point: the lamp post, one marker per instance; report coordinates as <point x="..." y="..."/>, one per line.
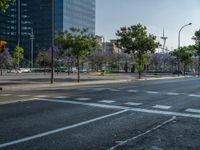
<point x="52" y="44"/>
<point x="32" y="38"/>
<point x="179" y="38"/>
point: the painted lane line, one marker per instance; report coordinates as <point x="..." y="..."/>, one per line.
<point x="193" y="110"/>
<point x="23" y="95"/>
<point x="121" y="143"/>
<point x="100" y="89"/>
<point x="173" y="94"/>
<point x="133" y="104"/>
<point x="194" y="95"/>
<point x="41" y="96"/>
<point x="62" y="97"/>
<point x="150" y="111"/>
<point x="82" y="99"/>
<point x="162" y="107"/>
<point x="107" y="101"/>
<point x="4" y="95"/>
<point x="87" y="104"/>
<point x="132" y="91"/>
<point x="60" y="129"/>
<point x="152" y="92"/>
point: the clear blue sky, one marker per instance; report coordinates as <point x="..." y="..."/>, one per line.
<point x="154" y="14"/>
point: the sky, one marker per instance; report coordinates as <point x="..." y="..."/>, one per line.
<point x="154" y="14"/>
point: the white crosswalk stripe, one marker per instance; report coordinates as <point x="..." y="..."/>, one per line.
<point x="162" y="107"/>
<point x="194" y="95"/>
<point x="41" y="96"/>
<point x="152" y="92"/>
<point x="107" y="101"/>
<point x="82" y="99"/>
<point x="193" y="110"/>
<point x="4" y="95"/>
<point x="62" y="97"/>
<point x="133" y="104"/>
<point x="132" y="91"/>
<point x="173" y="94"/>
<point x="23" y="95"/>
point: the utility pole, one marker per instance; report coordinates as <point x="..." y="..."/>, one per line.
<point x="52" y="44"/>
<point x="32" y="38"/>
<point x="18" y="25"/>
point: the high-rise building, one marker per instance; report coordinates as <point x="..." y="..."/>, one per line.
<point x="24" y="16"/>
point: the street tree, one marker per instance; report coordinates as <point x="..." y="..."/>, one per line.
<point x="5" y="4"/>
<point x="18" y="55"/>
<point x="135" y="40"/>
<point x="196" y="38"/>
<point x="5" y="60"/>
<point x="80" y="42"/>
<point x="184" y="54"/>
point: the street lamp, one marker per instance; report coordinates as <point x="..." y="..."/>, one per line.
<point x="179" y="36"/>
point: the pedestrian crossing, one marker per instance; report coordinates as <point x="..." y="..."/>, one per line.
<point x="130" y="91"/>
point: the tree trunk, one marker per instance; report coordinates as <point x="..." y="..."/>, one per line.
<point x="1" y="71"/>
<point x="184" y="69"/>
<point x="140" y="67"/>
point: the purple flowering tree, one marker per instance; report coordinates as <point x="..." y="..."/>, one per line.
<point x="5" y="60"/>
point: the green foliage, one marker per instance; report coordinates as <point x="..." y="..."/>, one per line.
<point x="135" y="40"/>
<point x="184" y="55"/>
<point x="80" y="43"/>
<point x="196" y="38"/>
<point x="18" y="55"/>
<point x="4" y="4"/>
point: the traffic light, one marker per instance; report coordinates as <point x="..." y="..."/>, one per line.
<point x="2" y="46"/>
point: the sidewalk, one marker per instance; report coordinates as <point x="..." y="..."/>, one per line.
<point x="14" y="82"/>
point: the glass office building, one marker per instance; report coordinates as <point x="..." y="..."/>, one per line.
<point x="75" y="13"/>
<point x="24" y="15"/>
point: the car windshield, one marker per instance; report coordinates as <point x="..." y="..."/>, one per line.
<point x="99" y="74"/>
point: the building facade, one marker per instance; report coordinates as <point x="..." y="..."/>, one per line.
<point x="24" y="16"/>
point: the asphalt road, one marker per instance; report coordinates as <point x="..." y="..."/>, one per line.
<point x="142" y="115"/>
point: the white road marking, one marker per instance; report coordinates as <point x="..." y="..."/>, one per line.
<point x="152" y="92"/>
<point x="162" y="107"/>
<point x="193" y="110"/>
<point x="100" y="89"/>
<point x="133" y="104"/>
<point x="59" y="129"/>
<point x="132" y="91"/>
<point x="82" y="99"/>
<point x="194" y="95"/>
<point x="121" y="143"/>
<point x="4" y="95"/>
<point x="62" y="97"/>
<point x="173" y="94"/>
<point x="168" y="113"/>
<point x="107" y="101"/>
<point x="23" y="95"/>
<point x="41" y="96"/>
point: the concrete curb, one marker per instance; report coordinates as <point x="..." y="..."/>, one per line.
<point x="34" y="86"/>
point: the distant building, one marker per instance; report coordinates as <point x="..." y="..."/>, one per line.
<point x="24" y="15"/>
